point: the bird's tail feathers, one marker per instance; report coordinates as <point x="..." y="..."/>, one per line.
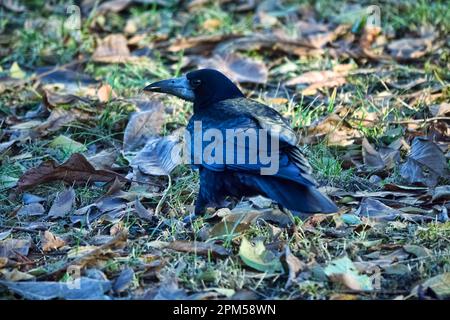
<point x="294" y="196"/>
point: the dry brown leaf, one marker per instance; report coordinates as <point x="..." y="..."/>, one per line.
<point x="199" y="44"/>
<point x="3" y="262"/>
<point x="211" y="24"/>
<point x="317" y="34"/>
<point x="438" y="110"/>
<point x="200" y="248"/>
<point x="294" y="265"/>
<point x="112" y="49"/>
<point x="105" y="93"/>
<point x="408" y="48"/>
<point x="16" y="275"/>
<point x="143" y="125"/>
<point x="348" y="280"/>
<point x="77" y="169"/>
<point x="318" y="80"/>
<point x="333" y="130"/>
<point x="237" y="68"/>
<point x="51" y="242"/>
<point x="95" y="254"/>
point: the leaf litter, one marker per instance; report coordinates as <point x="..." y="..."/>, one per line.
<point x="106" y="191"/>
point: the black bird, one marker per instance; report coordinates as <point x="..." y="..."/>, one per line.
<point x="220" y="105"/>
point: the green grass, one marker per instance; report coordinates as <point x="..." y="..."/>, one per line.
<point x="33" y="47"/>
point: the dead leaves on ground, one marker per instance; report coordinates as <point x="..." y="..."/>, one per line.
<point x="75" y="170"/>
<point x="280" y="60"/>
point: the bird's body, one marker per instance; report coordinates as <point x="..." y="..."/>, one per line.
<point x="219" y="105"/>
<point x="292" y="186"/>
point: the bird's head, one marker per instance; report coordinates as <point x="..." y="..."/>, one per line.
<point x="203" y="87"/>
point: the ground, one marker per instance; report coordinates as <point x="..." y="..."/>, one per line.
<point x="369" y="101"/>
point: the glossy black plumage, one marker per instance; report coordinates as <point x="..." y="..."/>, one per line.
<point x="219" y="104"/>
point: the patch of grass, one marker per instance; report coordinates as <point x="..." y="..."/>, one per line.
<point x="327" y="165"/>
<point x="130" y="78"/>
<point x="435" y="234"/>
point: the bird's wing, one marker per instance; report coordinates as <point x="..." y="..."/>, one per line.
<point x="277" y="126"/>
<point x="245" y="115"/>
<point x="268" y="119"/>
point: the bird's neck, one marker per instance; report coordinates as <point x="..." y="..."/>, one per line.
<point x="206" y="101"/>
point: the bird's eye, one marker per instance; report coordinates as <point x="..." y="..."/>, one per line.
<point x="195" y="82"/>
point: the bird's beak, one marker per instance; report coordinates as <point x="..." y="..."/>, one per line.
<point x="178" y="87"/>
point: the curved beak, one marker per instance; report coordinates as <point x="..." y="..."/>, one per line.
<point x="178" y="87"/>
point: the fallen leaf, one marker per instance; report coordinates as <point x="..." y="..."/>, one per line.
<point x="80" y="289"/>
<point x="258" y="257"/>
<point x="438" y="110"/>
<point x="16" y="72"/>
<point x="333" y="130"/>
<point x="351" y="219"/>
<point x="441" y="193"/>
<point x="67" y="145"/>
<point x="9" y="247"/>
<point x="142" y="126"/>
<point x="211" y="24"/>
<point x="124" y="280"/>
<point x="76" y="169"/>
<point x="438" y="285"/>
<point x="294" y="265"/>
<point x="113" y="6"/>
<point x="104" y="159"/>
<point x="29" y="198"/>
<point x="199" y="44"/>
<point x="344" y="272"/>
<point x="396" y="269"/>
<point x="4" y="235"/>
<point x="16" y="275"/>
<point x="318" y="35"/>
<point x="384" y="159"/>
<point x="112" y="49"/>
<point x="33" y="209"/>
<point x="418" y="251"/>
<point x="377" y="210"/>
<point x="240" y="219"/>
<point x="425" y="164"/>
<point x="142" y="212"/>
<point x="168" y="290"/>
<point x="370" y="156"/>
<point x="318" y="80"/>
<point x="63" y="204"/>
<point x="6" y="145"/>
<point x="105" y="93"/>
<point x="51" y="242"/>
<point x="410" y="48"/>
<point x="200" y="248"/>
<point x="72" y="82"/>
<point x="237" y="68"/>
<point x="3" y="262"/>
